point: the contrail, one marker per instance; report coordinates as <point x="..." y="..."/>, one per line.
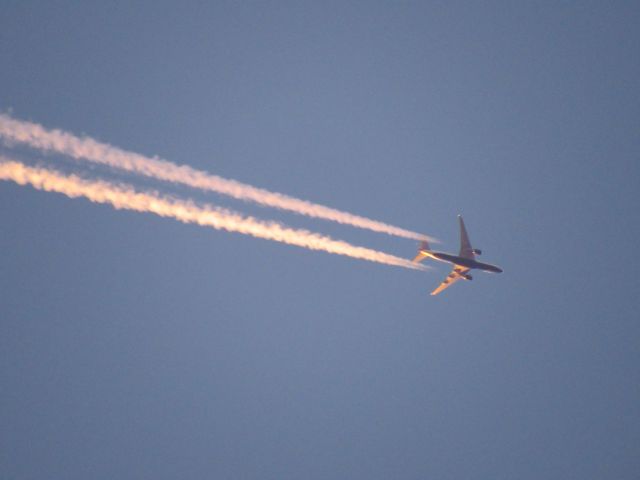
<point x="86" y="148"/>
<point x="125" y="197"/>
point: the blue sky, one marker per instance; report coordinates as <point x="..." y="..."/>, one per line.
<point x="139" y="347"/>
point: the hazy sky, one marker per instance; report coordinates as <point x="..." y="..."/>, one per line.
<point x="137" y="347"/>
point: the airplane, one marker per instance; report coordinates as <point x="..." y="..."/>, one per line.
<point x="462" y="263"/>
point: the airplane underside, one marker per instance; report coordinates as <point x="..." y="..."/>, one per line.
<point x="462" y="263"/>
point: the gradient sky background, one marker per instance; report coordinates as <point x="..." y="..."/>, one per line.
<point x="137" y="347"/>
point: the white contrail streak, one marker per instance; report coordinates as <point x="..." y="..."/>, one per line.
<point x="36" y="136"/>
<point x="125" y="197"/>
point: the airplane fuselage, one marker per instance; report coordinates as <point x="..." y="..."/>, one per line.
<point x="463" y="262"/>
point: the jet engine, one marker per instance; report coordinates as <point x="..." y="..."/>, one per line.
<point x="466" y="277"/>
<point x="477" y="251"/>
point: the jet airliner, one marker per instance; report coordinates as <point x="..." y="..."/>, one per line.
<point x="462" y="263"/>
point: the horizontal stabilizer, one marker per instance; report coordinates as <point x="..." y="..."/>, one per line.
<point x="422" y="247"/>
<point x="421" y="256"/>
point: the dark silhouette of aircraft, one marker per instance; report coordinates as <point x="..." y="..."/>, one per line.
<point x="462" y="263"/>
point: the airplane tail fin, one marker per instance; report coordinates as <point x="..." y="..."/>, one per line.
<point x="423" y="246"/>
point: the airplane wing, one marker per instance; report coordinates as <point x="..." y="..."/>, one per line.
<point x="453" y="277"/>
<point x="466" y="251"/>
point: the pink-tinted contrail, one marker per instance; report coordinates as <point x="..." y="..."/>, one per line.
<point x="86" y="148"/>
<point x="125" y="197"/>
